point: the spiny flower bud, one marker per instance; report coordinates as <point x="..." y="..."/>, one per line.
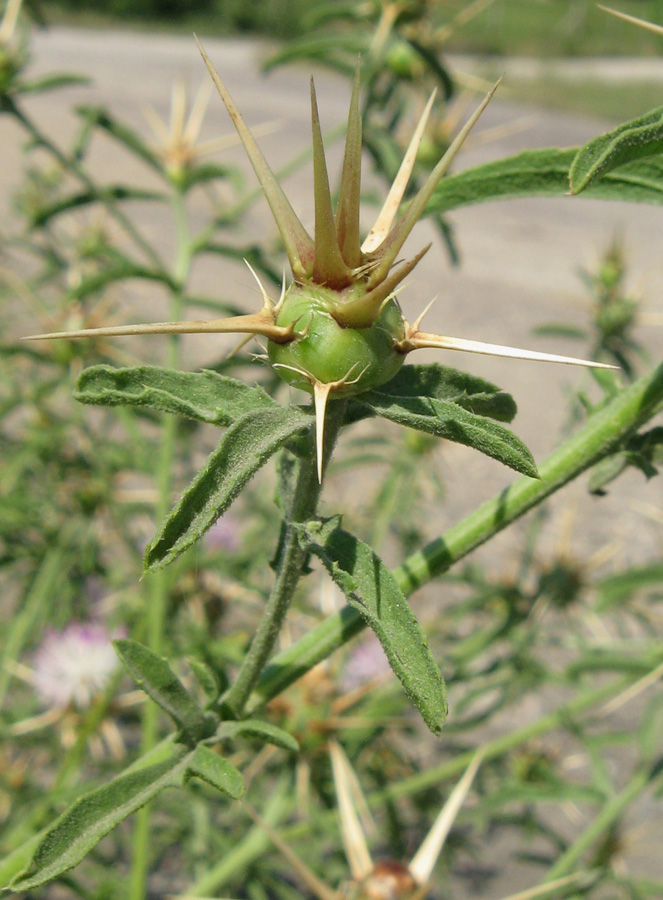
<point x="338" y="330"/>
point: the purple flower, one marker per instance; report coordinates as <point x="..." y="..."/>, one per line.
<point x="73" y="665"/>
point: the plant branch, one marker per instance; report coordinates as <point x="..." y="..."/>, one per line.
<point x="291" y="561"/>
<point x="605" y="431"/>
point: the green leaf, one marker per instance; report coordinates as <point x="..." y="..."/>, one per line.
<point x="84" y="198"/>
<point x="94" y="815"/>
<point x="622" y="587"/>
<point x="206" y="678"/>
<point x="544" y="173"/>
<point x="53" y="82"/>
<point x="451" y="421"/>
<point x="256" y="728"/>
<point x="217" y="771"/>
<point x="153" y="674"/>
<point x="444" y="383"/>
<point x="126" y="136"/>
<point x="122" y="268"/>
<point x="628" y="142"/>
<point x="371" y="589"/>
<point x="204" y="396"/>
<point x="243" y="449"/>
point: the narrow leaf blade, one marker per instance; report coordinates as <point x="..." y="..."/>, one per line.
<point x="267" y="732"/>
<point x="446" y="383"/>
<point x="243" y="449"/>
<point x="451" y="421"/>
<point x="371" y="589"/>
<point x="628" y="142"/>
<point x="217" y="771"/>
<point x="154" y="675"/>
<point x="544" y="173"/>
<point x="204" y="396"/>
<point x="93" y="816"/>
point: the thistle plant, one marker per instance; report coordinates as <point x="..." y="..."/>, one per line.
<point x="337" y="333"/>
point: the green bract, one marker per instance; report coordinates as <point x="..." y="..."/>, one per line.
<point x="356" y="359"/>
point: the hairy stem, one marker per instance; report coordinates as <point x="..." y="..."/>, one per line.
<point x="605" y="431"/>
<point x="303" y="506"/>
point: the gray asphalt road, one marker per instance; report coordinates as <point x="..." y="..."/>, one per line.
<point x="520" y="258"/>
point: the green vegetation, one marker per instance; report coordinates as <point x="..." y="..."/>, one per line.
<point x="513" y="27"/>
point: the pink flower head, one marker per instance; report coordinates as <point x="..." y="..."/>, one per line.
<point x="73" y="665"/>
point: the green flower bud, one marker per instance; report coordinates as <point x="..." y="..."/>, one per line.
<point x="357" y="359"/>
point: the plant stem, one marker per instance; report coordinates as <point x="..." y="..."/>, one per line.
<point x="77" y="170"/>
<point x="303" y="506"/>
<point x="605" y="431"/>
<point x="158" y="582"/>
<point x="605" y="818"/>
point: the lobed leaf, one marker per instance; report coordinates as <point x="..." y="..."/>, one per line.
<point x="628" y="142"/>
<point x="449" y="420"/>
<point x="445" y="383"/>
<point x="217" y="771"/>
<point x="371" y="589"/>
<point x="94" y="815"/>
<point x="544" y="173"/>
<point x="243" y="449"/>
<point x="271" y="734"/>
<point x="154" y="675"/>
<point x="204" y="396"/>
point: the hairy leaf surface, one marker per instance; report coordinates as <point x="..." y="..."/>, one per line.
<point x="445" y="383"/>
<point x="628" y="142"/>
<point x="204" y="396"/>
<point x="545" y="173"/>
<point x="455" y="423"/>
<point x="154" y="675"/>
<point x="242" y="450"/>
<point x="371" y="589"/>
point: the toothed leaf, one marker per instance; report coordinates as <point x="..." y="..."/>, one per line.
<point x="445" y="383"/>
<point x="371" y="589"/>
<point x="217" y="771"/>
<point x="204" y="396"/>
<point x="451" y="421"/>
<point x="154" y="675"/>
<point x="631" y="141"/>
<point x="243" y="449"/>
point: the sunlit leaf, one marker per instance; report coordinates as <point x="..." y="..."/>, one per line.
<point x="628" y="142"/>
<point x="545" y="173"/>
<point x="451" y="421"/>
<point x="204" y="396"/>
<point x="243" y="449"/>
<point x="445" y="383"/>
<point x="371" y="589"/>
